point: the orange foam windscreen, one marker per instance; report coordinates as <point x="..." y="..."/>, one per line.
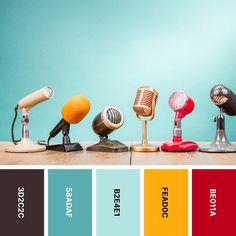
<point x="75" y="109"/>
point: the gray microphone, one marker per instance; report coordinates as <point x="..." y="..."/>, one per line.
<point x="108" y="120"/>
<point x="225" y="99"/>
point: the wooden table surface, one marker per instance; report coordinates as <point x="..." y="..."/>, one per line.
<point x="125" y="158"/>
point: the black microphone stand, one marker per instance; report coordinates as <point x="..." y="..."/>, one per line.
<point x="66" y="145"/>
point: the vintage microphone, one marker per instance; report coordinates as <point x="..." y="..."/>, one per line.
<point x="144" y="107"/>
<point x="25" y="104"/>
<point x="72" y="113"/>
<point x="182" y="105"/>
<point x="225" y="99"/>
<point x="108" y="120"/>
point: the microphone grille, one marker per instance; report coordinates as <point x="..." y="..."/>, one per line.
<point x="114" y="116"/>
<point x="144" y="99"/>
<point x="219" y="94"/>
<point x="178" y="100"/>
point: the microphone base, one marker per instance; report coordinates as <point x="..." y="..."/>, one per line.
<point x="70" y="147"/>
<point x="26" y="146"/>
<point x="215" y="147"/>
<point x="144" y="148"/>
<point x="108" y="146"/>
<point x="182" y="146"/>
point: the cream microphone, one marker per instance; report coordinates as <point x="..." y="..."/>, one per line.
<point x="26" y="103"/>
<point x="144" y="107"/>
<point x="35" y="98"/>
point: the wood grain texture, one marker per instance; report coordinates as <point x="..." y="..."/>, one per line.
<point x="61" y="158"/>
<point x="125" y="158"/>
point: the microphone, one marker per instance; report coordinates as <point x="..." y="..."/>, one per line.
<point x="72" y="113"/>
<point x="225" y="99"/>
<point x="26" y="103"/>
<point x="144" y="107"/>
<point x="108" y="120"/>
<point x="35" y="98"/>
<point x="182" y="105"/>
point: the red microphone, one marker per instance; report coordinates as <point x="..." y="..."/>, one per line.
<point x="182" y="105"/>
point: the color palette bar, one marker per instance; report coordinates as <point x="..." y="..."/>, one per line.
<point x="213" y="197"/>
<point x="22" y="202"/>
<point x="70" y="202"/>
<point x="118" y="202"/>
<point x="165" y="202"/>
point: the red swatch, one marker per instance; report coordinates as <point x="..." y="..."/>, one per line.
<point x="214" y="202"/>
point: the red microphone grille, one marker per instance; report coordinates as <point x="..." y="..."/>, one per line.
<point x="144" y="100"/>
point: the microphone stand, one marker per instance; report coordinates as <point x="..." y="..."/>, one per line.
<point x="25" y="144"/>
<point x="107" y="145"/>
<point x="177" y="144"/>
<point x="221" y="143"/>
<point x="66" y="145"/>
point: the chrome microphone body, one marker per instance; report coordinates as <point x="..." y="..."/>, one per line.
<point x="225" y="99"/>
<point x="108" y="120"/>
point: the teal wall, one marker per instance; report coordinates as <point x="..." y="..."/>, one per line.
<point x="106" y="49"/>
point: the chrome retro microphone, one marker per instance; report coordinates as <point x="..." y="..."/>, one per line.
<point x="108" y="120"/>
<point x="182" y="105"/>
<point x="225" y="99"/>
<point x="144" y="107"/>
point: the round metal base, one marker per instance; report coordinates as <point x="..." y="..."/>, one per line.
<point x="25" y="146"/>
<point x="219" y="148"/>
<point x="144" y="148"/>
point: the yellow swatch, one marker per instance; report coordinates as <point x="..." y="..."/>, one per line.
<point x="165" y="202"/>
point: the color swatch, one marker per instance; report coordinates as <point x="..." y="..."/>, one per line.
<point x="214" y="208"/>
<point x="70" y="202"/>
<point x="22" y="202"/>
<point x="165" y="202"/>
<point x="118" y="203"/>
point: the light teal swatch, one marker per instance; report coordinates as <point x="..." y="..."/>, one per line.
<point x="106" y="49"/>
<point x="128" y="223"/>
<point x="81" y="183"/>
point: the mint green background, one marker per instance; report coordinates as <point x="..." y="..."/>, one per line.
<point x="106" y="49"/>
<point x="129" y="221"/>
<point x="81" y="182"/>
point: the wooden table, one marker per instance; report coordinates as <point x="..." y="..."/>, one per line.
<point x="125" y="158"/>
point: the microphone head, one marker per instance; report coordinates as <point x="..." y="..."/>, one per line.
<point x="178" y="100"/>
<point x="75" y="109"/>
<point x="108" y="120"/>
<point x="220" y="94"/>
<point x="35" y="98"/>
<point x="145" y="101"/>
<point x="224" y="98"/>
<point x="181" y="103"/>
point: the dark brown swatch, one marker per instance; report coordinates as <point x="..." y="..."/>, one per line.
<point x="22" y="202"/>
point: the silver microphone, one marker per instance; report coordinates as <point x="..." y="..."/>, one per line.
<point x="108" y="120"/>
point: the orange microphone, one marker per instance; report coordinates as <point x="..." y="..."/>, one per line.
<point x="72" y="113"/>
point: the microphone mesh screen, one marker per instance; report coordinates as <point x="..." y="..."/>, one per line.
<point x="143" y="101"/>
<point x="114" y="116"/>
<point x="219" y="94"/>
<point x="177" y="100"/>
